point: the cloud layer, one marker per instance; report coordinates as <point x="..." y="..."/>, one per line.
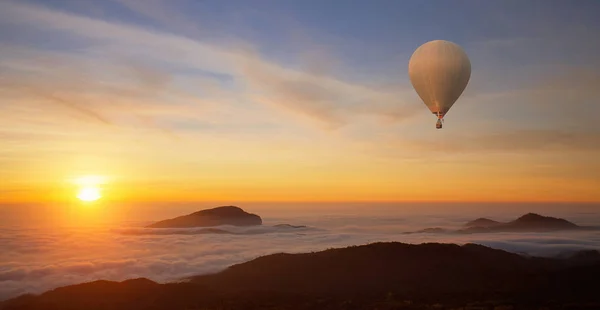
<point x="36" y="259"/>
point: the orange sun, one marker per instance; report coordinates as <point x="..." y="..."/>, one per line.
<point x="89" y="187"/>
<point x="89" y="194"/>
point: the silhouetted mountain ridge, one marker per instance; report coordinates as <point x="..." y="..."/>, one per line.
<point x="225" y="215"/>
<point x="530" y="222"/>
<point x="379" y="265"/>
<point x="377" y="275"/>
<point x="580" y="257"/>
<point x="533" y="219"/>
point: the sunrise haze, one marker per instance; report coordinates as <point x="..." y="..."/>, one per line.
<point x="295" y="101"/>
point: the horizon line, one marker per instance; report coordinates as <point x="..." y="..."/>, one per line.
<point x="238" y="202"/>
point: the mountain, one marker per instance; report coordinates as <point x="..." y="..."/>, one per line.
<point x="580" y="257"/>
<point x="226" y="215"/>
<point x="529" y="222"/>
<point x="536" y="221"/>
<point x="375" y="276"/>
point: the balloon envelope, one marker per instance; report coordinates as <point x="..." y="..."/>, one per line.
<point x="439" y="72"/>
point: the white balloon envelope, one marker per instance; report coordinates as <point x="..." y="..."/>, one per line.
<point x="439" y="72"/>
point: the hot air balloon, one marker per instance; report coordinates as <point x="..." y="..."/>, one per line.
<point x="439" y="72"/>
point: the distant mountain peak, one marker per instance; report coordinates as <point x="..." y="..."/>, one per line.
<point x="223" y="210"/>
<point x="532" y="222"/>
<point x="533" y="217"/>
<point x="536" y="219"/>
<point x="224" y="215"/>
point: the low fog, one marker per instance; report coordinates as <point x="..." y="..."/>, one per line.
<point x="36" y="258"/>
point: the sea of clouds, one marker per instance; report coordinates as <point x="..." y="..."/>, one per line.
<point x="36" y="258"/>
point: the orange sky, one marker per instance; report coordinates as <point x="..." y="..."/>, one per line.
<point x="314" y="179"/>
<point x="170" y="117"/>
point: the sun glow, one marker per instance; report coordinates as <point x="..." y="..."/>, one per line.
<point x="89" y="187"/>
<point x="89" y="194"/>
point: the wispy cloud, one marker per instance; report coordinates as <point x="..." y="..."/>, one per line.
<point x="325" y="99"/>
<point x="169" y="93"/>
<point x="322" y="97"/>
<point x="313" y="93"/>
<point x="166" y="14"/>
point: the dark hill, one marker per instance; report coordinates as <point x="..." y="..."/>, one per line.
<point x="227" y="215"/>
<point x="536" y="221"/>
<point x="580" y="257"/>
<point x="529" y="222"/>
<point x="374" y="276"/>
<point x="379" y="266"/>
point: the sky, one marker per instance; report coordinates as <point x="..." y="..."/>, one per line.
<point x="189" y="100"/>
